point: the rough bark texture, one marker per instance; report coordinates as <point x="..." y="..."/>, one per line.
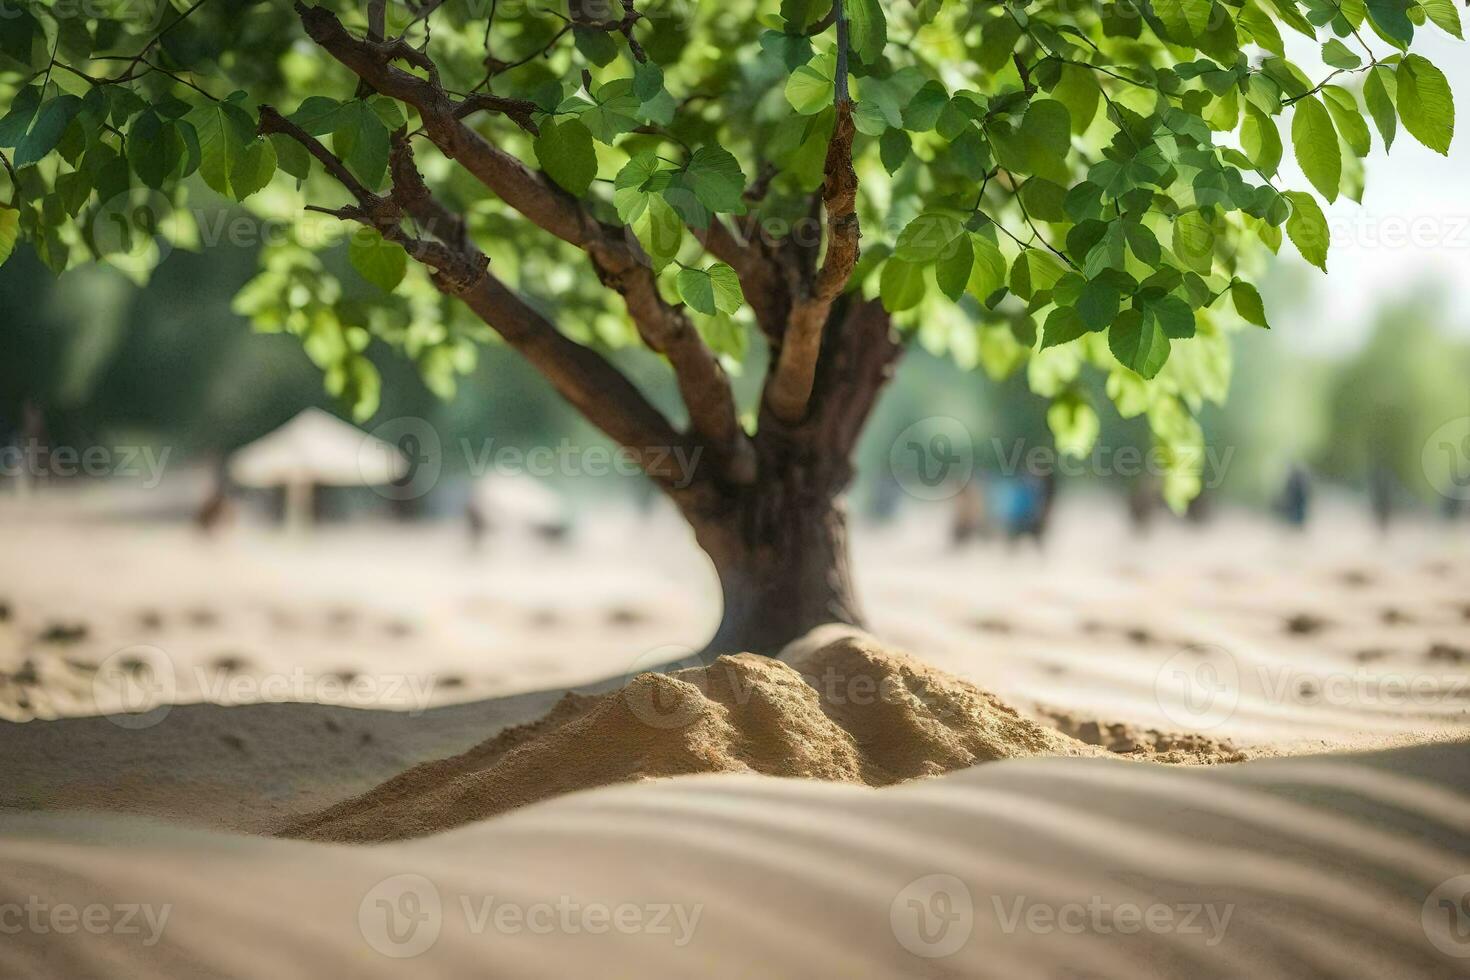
<point x="780" y="545"/>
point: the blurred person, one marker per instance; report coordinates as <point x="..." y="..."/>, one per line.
<point x="970" y="518"/>
<point x="1296" y="497"/>
<point x="1144" y="497"/>
<point x="1380" y="496"/>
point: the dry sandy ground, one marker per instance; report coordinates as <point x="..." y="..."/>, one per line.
<point x="285" y="676"/>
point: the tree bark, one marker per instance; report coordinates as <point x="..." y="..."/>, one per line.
<point x="780" y="545"/>
<point x="781" y="555"/>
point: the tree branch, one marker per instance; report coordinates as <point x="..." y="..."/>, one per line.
<point x="582" y="376"/>
<point x="667" y="330"/>
<point x="790" y="386"/>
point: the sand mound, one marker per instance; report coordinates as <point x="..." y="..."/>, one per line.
<point x="847" y="711"/>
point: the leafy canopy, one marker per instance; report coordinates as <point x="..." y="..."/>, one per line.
<point x="1041" y="185"/>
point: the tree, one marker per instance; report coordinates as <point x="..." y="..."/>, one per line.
<point x="1052" y="185"/>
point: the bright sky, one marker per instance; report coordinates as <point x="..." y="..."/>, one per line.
<point x="1413" y="226"/>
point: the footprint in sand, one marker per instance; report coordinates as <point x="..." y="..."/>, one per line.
<point x="233" y="741"/>
<point x="1305" y="624"/>
<point x="398" y="628"/>
<point x="989" y="625"/>
<point x="1370" y="655"/>
<point x="346" y="675"/>
<point x="1139" y="636"/>
<point x="1355" y="578"/>
<point x="449" y="681"/>
<point x="64" y="633"/>
<point x="4" y="612"/>
<point x="626" y="616"/>
<point x="202" y="618"/>
<point x="545" y="617"/>
<point x="1447" y="653"/>
<point x="230" y="663"/>
<point x="1395" y="617"/>
<point x="150" y="619"/>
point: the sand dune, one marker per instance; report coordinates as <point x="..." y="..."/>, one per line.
<point x="1022" y="868"/>
<point x="845" y="710"/>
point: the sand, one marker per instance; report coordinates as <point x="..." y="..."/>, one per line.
<point x="489" y="720"/>
<point x="1024" y="868"/>
<point x="846" y="710"/>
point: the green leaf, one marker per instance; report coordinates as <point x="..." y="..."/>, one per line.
<point x="1444" y="15"/>
<point x="988" y="274"/>
<point x="648" y="80"/>
<point x="1077" y="89"/>
<point x="253" y="168"/>
<point x="1380" y="102"/>
<point x="1098" y="303"/>
<point x="660" y="231"/>
<point x="894" y="147"/>
<point x="812" y="87"/>
<point x="1248" y="303"/>
<point x="1194" y="242"/>
<point x="901" y="285"/>
<point x="224" y="130"/>
<point x="9" y="232"/>
<point x="1174" y="317"/>
<point x="1426" y="104"/>
<point x="953" y="271"/>
<point x="564" y="150"/>
<point x="715" y="177"/>
<point x="361" y="140"/>
<point x="867" y="29"/>
<point x="291" y="156"/>
<point x="1261" y="140"/>
<point x="1349" y="119"/>
<point x="1339" y="55"/>
<point x="1138" y="341"/>
<point x="596" y="45"/>
<point x="1317" y="151"/>
<point x="1185" y="19"/>
<point x="1391" y="19"/>
<point x="380" y="262"/>
<point x="1307" y="228"/>
<point x="929" y="237"/>
<point x="1063" y="325"/>
<point x="710" y="291"/>
<point x="1074" y="425"/>
<point x="45" y="129"/>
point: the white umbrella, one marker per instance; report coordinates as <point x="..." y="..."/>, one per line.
<point x="313" y="449"/>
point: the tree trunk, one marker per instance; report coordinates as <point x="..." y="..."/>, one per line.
<point x="781" y="557"/>
<point x="779" y="545"/>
